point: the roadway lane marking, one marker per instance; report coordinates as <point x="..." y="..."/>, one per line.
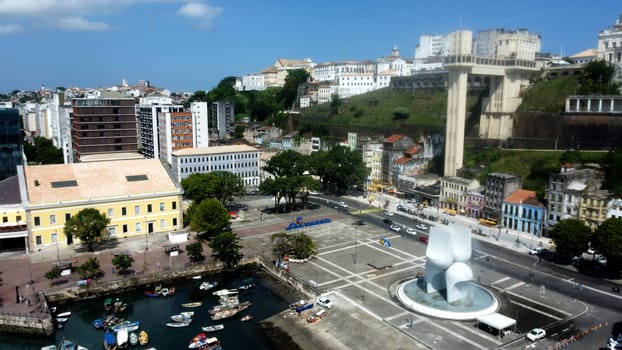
<point x="556" y="318"/>
<point x="583" y="286"/>
<point x="500" y="280"/>
<point x="514" y="286"/>
<point x="366" y="310"/>
<point x="534" y="301"/>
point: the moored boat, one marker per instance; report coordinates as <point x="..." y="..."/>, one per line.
<point x="143" y="338"/>
<point x="198" y="342"/>
<point x="192" y="304"/>
<point x="66" y="344"/>
<point x="246" y="317"/>
<point x="213" y="328"/>
<point x="164" y="292"/>
<point x="98" y="323"/>
<point x="61" y="319"/>
<point x="129" y="326"/>
<point x="122" y="339"/>
<point x="247" y="286"/>
<point x="181" y="318"/>
<point x="208" y="285"/>
<point x="110" y="341"/>
<point x="178" y="324"/>
<point x="64" y="314"/>
<point x="133" y="339"/>
<point x="151" y="293"/>
<point x="229" y="312"/>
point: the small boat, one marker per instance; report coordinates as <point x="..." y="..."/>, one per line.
<point x="48" y="347"/>
<point x="110" y="341"/>
<point x="208" y="285"/>
<point x="143" y="338"/>
<point x="133" y="339"/>
<point x="192" y="304"/>
<point x="98" y="323"/>
<point x="246" y="317"/>
<point x="198" y="277"/>
<point x="122" y="337"/>
<point x="213" y="328"/>
<point x="66" y="344"/>
<point x="126" y="325"/>
<point x="181" y="318"/>
<point x="151" y="293"/>
<point x="62" y="319"/>
<point x="225" y="292"/>
<point x="171" y="291"/>
<point x="64" y="314"/>
<point x="199" y="341"/>
<point x="187" y="314"/>
<point x="178" y="324"/>
<point x="53" y="310"/>
<point x="247" y="286"/>
<point x="164" y="292"/>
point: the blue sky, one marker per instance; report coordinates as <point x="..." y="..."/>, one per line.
<point x="191" y="45"/>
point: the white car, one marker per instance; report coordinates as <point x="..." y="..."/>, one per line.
<point x="601" y="259"/>
<point x="535" y="251"/>
<point x="411" y="231"/>
<point x="396" y="228"/>
<point x="421" y="227"/>
<point x="388" y="213"/>
<point x="591" y="251"/>
<point x="342" y="204"/>
<point x="536" y="334"/>
<point x="325" y="302"/>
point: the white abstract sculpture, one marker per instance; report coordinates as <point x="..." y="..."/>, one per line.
<point x="446" y="256"/>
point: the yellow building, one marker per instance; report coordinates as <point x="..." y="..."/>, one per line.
<point x="138" y="196"/>
<point x="593" y="207"/>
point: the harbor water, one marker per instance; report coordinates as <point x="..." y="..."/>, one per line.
<point x="154" y="312"/>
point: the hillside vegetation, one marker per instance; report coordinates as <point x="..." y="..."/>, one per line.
<point x="549" y="95"/>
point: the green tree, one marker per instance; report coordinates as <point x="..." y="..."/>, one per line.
<point x="339" y="168"/>
<point x="195" y="251"/>
<point x="291" y="172"/>
<point x="335" y="105"/>
<point x="303" y="245"/>
<point x="400" y="113"/>
<point x="597" y="79"/>
<point x="209" y="217"/>
<point x="88" y="225"/>
<point x="281" y="245"/>
<point x="222" y="185"/>
<point x="571" y="237"/>
<point x="289" y="92"/>
<point x="53" y="273"/>
<point x="43" y="151"/>
<point x="90" y="268"/>
<point x="238" y="132"/>
<point x="226" y="248"/>
<point x="608" y="241"/>
<point x="122" y="262"/>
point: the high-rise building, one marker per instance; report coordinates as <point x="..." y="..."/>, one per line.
<point x="10" y="142"/>
<point x="222" y="120"/>
<point x="148" y="115"/>
<point x="103" y="125"/>
<point x="175" y="132"/>
<point x="200" y="128"/>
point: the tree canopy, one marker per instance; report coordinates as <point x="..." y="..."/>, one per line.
<point x="195" y="251"/>
<point x="597" y="78"/>
<point x="571" y="237"/>
<point x="209" y="217"/>
<point x="88" y="225"/>
<point x="226" y="248"/>
<point x="122" y="262"/>
<point x="608" y="242"/>
<point x="339" y="168"/>
<point x="222" y="185"/>
<point x="90" y="269"/>
<point x="43" y="151"/>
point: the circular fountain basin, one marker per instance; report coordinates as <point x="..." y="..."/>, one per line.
<point x="413" y="295"/>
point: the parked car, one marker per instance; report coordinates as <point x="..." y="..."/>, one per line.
<point x="325" y="302"/>
<point x="411" y="231"/>
<point x="535" y="334"/>
<point x="424" y="239"/>
<point x="535" y="251"/>
<point x="387" y="221"/>
<point x="388" y="213"/>
<point x="342" y="204"/>
<point x="396" y="228"/>
<point x="601" y="259"/>
<point x="421" y="227"/>
<point x="591" y="251"/>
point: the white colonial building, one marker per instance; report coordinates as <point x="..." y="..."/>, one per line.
<point x="241" y="160"/>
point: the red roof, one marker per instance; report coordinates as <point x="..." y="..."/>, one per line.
<point x="414" y="150"/>
<point x="519" y="196"/>
<point x="402" y="160"/>
<point x="393" y="138"/>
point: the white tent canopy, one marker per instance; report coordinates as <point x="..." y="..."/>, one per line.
<point x="497" y="321"/>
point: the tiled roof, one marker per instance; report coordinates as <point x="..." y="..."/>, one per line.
<point x="96" y="180"/>
<point x="533" y="201"/>
<point x="393" y="138"/>
<point x="413" y="150"/>
<point x="585" y="53"/>
<point x="519" y="196"/>
<point x="196" y="151"/>
<point x="402" y="160"/>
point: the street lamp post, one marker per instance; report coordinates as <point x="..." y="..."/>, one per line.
<point x="57" y="250"/>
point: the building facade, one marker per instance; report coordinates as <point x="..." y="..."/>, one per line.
<point x="593" y="207"/>
<point x="140" y="197"/>
<point x="10" y="142"/>
<point x="522" y="212"/>
<point x="564" y="190"/>
<point x="241" y="160"/>
<point x="453" y="195"/>
<point x="222" y="120"/>
<point x="103" y="125"/>
<point x="498" y="187"/>
<point x="150" y="127"/>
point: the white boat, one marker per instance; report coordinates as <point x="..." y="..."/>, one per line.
<point x="126" y="325"/>
<point x="208" y="285"/>
<point x="213" y="328"/>
<point x="62" y="319"/>
<point x="225" y="292"/>
<point x="178" y="324"/>
<point x="133" y="338"/>
<point x="122" y="337"/>
<point x="164" y="292"/>
<point x="197" y="277"/>
<point x="181" y="318"/>
<point x="64" y="314"/>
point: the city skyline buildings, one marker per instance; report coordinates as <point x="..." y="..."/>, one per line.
<point x="249" y="36"/>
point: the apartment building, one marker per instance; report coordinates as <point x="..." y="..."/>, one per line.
<point x="103" y="125"/>
<point x="498" y="187"/>
<point x="521" y="211"/>
<point x="453" y="195"/>
<point x="241" y="160"/>
<point x="564" y="191"/>
<point x="10" y="142"/>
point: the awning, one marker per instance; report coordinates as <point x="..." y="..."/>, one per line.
<point x="497" y="321"/>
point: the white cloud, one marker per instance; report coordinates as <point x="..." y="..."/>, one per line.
<point x="9" y="29"/>
<point x="81" y="24"/>
<point x="201" y="11"/>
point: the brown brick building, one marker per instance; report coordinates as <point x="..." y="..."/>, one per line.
<point x="103" y="125"/>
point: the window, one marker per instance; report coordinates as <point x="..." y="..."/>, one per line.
<point x="125" y="228"/>
<point x="123" y="211"/>
<point x="67" y="217"/>
<point x="162" y="223"/>
<point x="38" y="240"/>
<point x="149" y="208"/>
<point x="5" y="219"/>
<point x="137" y="209"/>
<point x="112" y="230"/>
<point x="37" y="221"/>
<point x="138" y="227"/>
<point x="174" y="205"/>
<point x="110" y="212"/>
<point x="174" y="221"/>
<point x="162" y="206"/>
<point x="52" y="219"/>
<point x="55" y="237"/>
<point x="18" y="218"/>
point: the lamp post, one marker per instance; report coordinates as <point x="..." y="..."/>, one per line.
<point x="57" y="250"/>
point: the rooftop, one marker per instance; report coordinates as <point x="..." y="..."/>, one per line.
<point x="393" y="138"/>
<point x="94" y="180"/>
<point x="199" y="151"/>
<point x="518" y="196"/>
<point x="9" y="191"/>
